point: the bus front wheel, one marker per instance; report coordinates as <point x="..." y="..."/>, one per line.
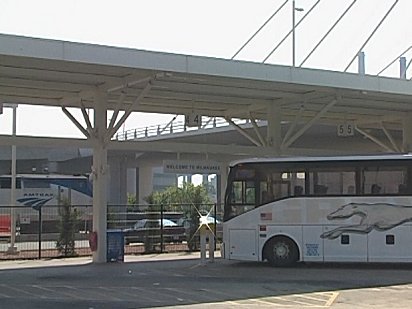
<point x="281" y="251"/>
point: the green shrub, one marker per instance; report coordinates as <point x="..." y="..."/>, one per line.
<point x="67" y="227"/>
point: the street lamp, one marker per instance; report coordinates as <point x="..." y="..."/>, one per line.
<point x="12" y="249"/>
<point x="294" y="9"/>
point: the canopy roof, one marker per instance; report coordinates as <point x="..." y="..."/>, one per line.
<point x="58" y="73"/>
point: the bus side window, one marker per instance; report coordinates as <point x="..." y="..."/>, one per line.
<point x="375" y="189"/>
<point x="402" y="189"/>
<point x="237" y="192"/>
<point x="5" y="183"/>
<point x="243" y="193"/>
<point x="298" y="190"/>
<point x="250" y="193"/>
<point x="267" y="197"/>
<point x="320" y="190"/>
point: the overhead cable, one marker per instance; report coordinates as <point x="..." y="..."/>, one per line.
<point x="261" y="27"/>
<point x="287" y="35"/>
<point x="373" y="32"/>
<point x="327" y="33"/>
<point x="394" y="60"/>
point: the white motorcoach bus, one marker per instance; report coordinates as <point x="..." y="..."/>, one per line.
<point x="319" y="209"/>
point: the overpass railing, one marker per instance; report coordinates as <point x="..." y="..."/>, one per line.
<point x="175" y="126"/>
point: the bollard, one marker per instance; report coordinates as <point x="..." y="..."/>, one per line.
<point x="203" y="235"/>
<point x="206" y="235"/>
<point x="211" y="247"/>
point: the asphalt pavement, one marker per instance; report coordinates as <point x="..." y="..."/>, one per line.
<point x="180" y="280"/>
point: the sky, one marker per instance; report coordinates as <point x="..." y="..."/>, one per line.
<point x="213" y="28"/>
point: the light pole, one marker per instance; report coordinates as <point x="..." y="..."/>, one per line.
<point x="294" y="9"/>
<point x="13" y="249"/>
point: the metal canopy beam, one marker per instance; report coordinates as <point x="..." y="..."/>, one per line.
<point x="300" y="132"/>
<point x="256" y="129"/>
<point x="243" y="132"/>
<point x="375" y="140"/>
<point x="165" y="147"/>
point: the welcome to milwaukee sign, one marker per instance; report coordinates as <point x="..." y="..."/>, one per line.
<point x="191" y="167"/>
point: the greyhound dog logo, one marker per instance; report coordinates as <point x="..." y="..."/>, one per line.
<point x="377" y="216"/>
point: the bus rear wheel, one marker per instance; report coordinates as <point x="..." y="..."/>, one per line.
<point x="281" y="251"/>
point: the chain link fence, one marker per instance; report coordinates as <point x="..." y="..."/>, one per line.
<point x="52" y="231"/>
<point x="45" y="231"/>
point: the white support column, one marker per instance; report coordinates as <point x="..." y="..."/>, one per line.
<point x="145" y="182"/>
<point x="117" y="178"/>
<point x="99" y="171"/>
<point x="274" y="118"/>
<point x="100" y="136"/>
<point x="407" y="133"/>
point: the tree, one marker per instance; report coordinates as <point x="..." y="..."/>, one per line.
<point x="68" y="224"/>
<point x="187" y="194"/>
<point x="189" y="199"/>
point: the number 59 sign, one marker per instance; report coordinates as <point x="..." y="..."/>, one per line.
<point x="346" y="129"/>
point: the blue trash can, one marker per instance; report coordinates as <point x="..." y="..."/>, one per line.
<point x="115" y="246"/>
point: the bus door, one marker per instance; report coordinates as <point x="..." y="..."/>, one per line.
<point x="243" y="244"/>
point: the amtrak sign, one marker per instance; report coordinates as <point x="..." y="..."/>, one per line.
<point x="191" y="167"/>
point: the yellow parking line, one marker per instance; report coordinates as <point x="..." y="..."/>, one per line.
<point x="262" y="301"/>
<point x="292" y="300"/>
<point x="332" y="299"/>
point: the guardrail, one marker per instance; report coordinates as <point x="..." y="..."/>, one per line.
<point x="173" y="127"/>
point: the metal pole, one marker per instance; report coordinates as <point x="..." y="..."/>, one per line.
<point x="215" y="227"/>
<point x="402" y="63"/>
<point x="12" y="248"/>
<point x="161" y="228"/>
<point x="361" y="63"/>
<point x="287" y="35"/>
<point x="40" y="231"/>
<point x="293" y="35"/>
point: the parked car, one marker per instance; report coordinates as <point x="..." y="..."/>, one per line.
<point x="153" y="230"/>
